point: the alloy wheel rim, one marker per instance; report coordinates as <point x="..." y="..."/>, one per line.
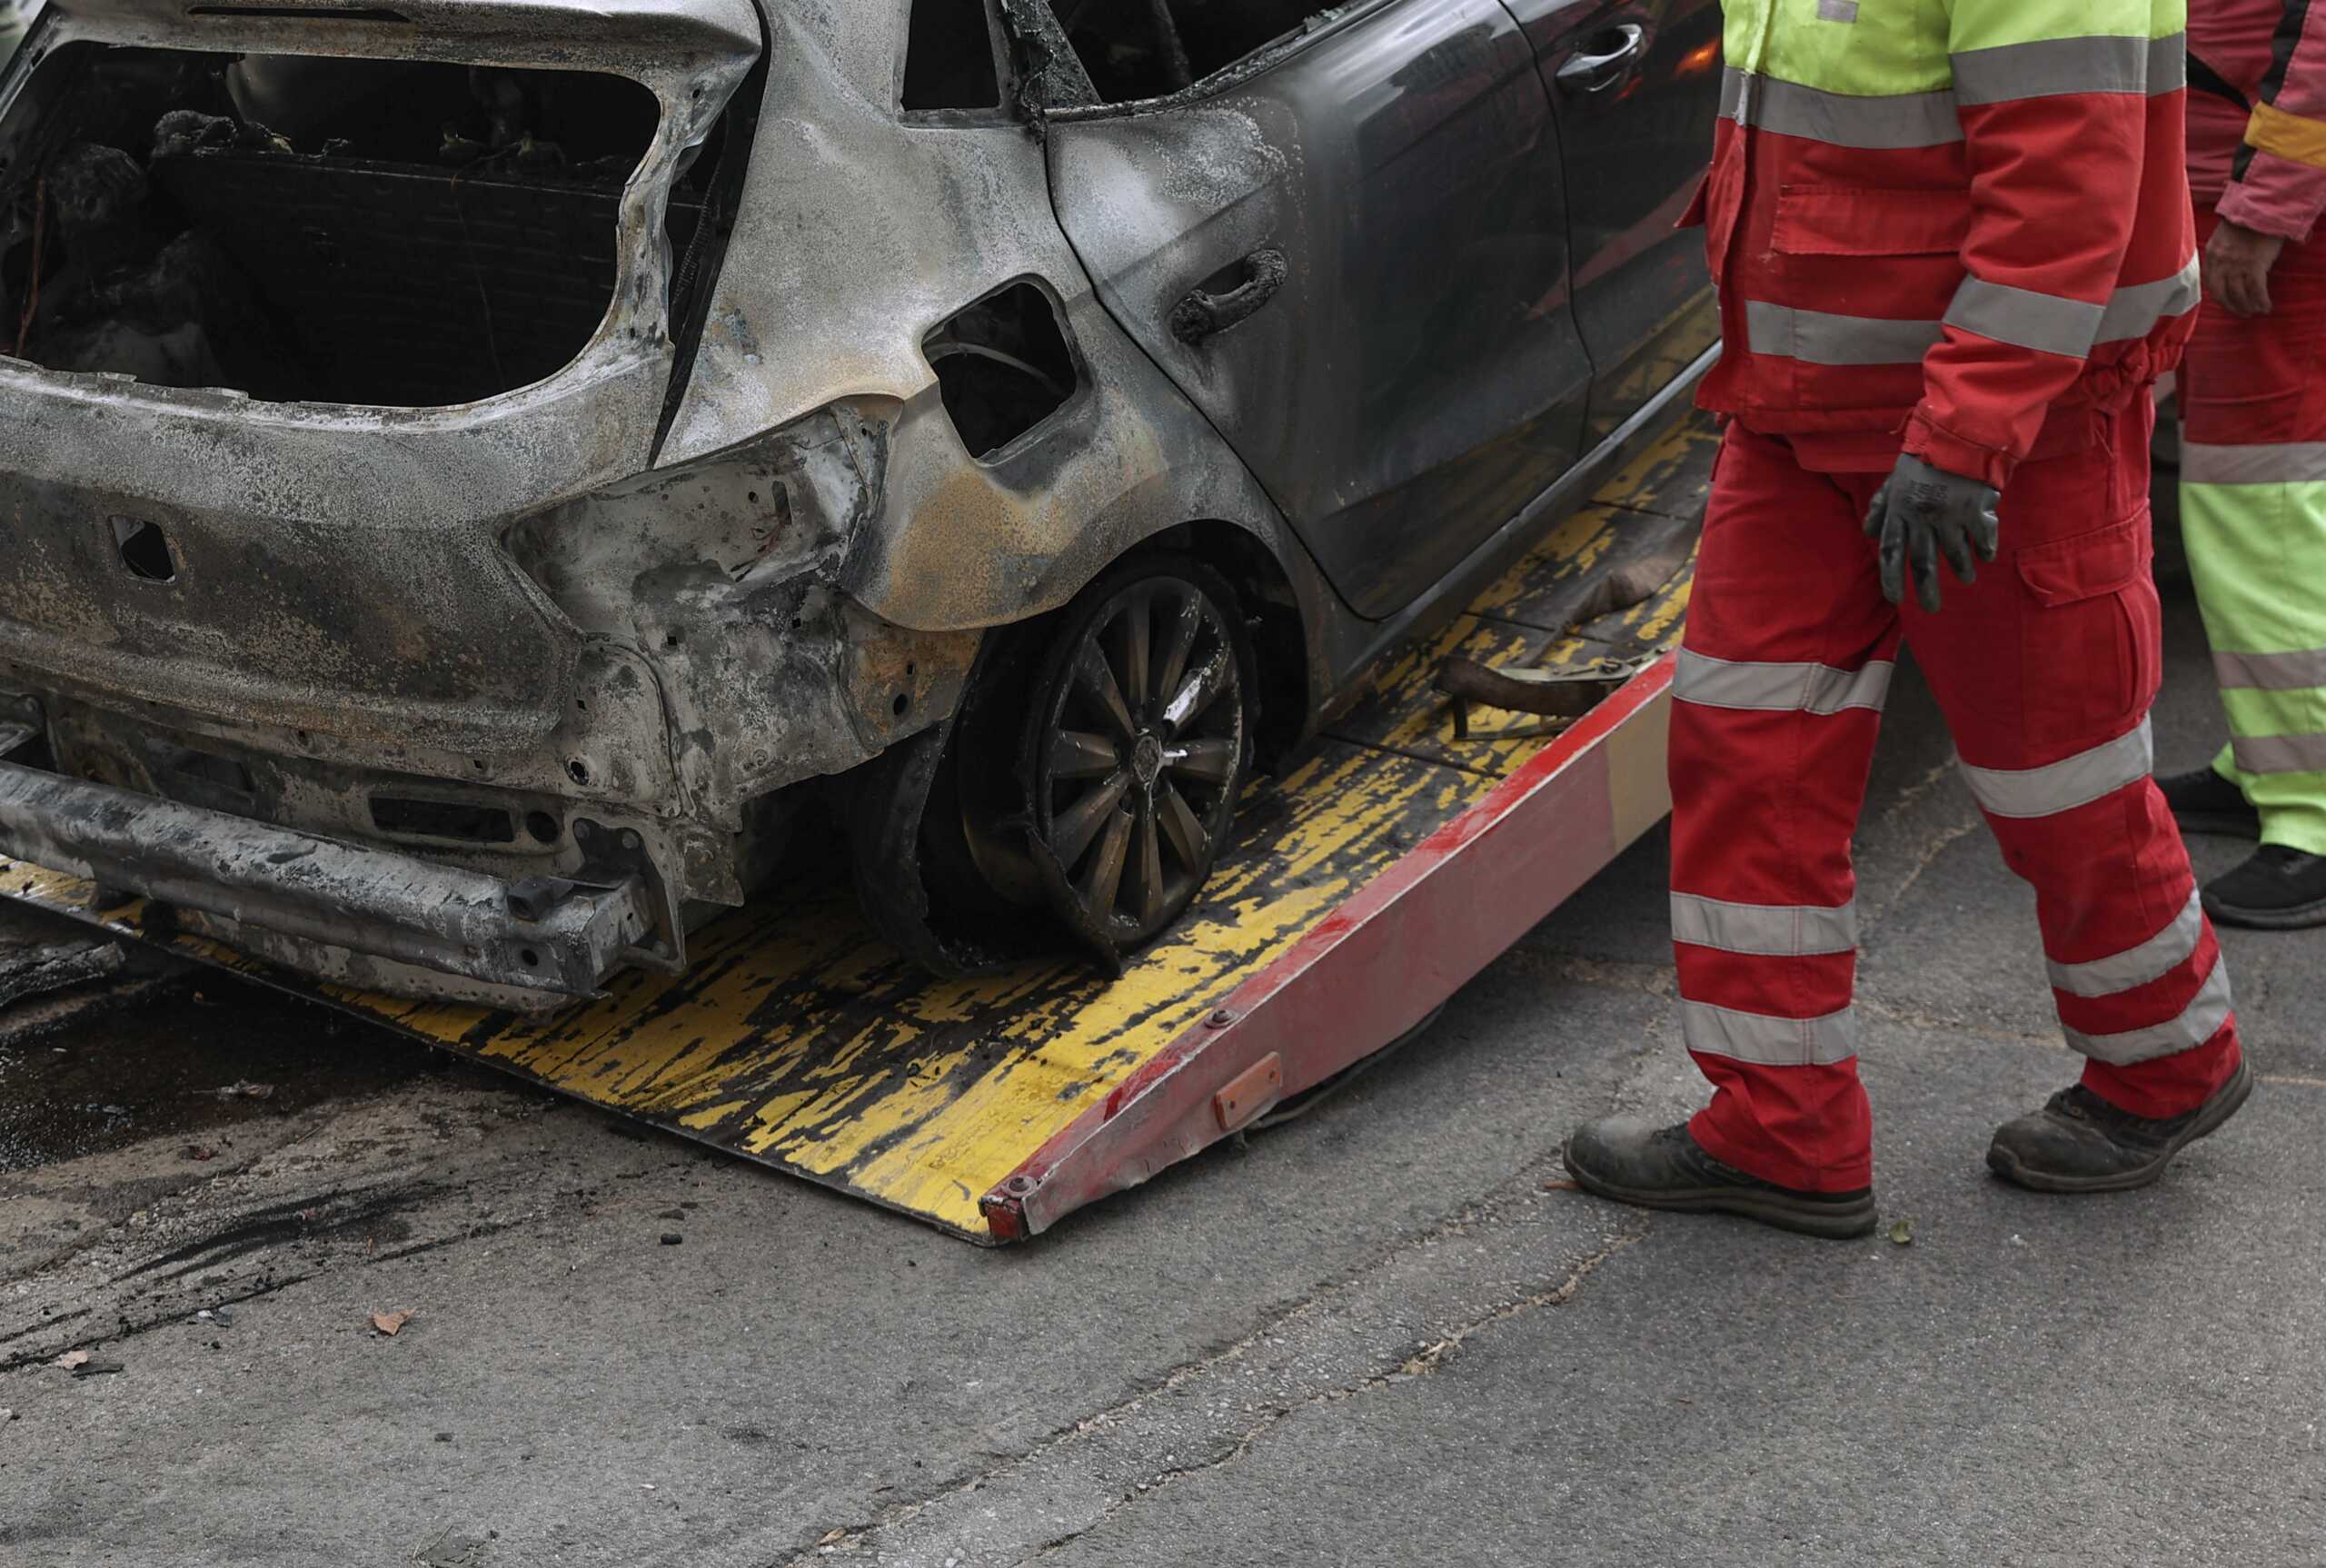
<point x="1138" y="757"/>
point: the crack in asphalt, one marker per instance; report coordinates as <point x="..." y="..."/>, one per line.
<point x="1462" y="1221"/>
<point x="1422" y="1364"/>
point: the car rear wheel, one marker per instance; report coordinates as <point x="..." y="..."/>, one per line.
<point x="1136" y="745"/>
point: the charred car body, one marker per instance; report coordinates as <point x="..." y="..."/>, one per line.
<point x="475" y="468"/>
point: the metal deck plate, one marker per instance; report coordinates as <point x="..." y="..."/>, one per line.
<point x="798" y="1040"/>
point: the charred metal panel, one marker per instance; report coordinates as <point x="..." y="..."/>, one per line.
<point x="293" y="621"/>
<point x="341" y="575"/>
<point x="658" y="42"/>
<point x="206" y="764"/>
<point x="559" y="936"/>
<point x="724" y="573"/>
<point x="857" y="235"/>
<point x="1402" y="371"/>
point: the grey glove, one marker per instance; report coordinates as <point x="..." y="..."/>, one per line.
<point x="1921" y="513"/>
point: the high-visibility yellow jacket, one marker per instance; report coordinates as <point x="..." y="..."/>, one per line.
<point x="1948" y="217"/>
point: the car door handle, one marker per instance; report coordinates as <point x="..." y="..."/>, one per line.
<point x="1609" y="55"/>
<point x="1202" y="314"/>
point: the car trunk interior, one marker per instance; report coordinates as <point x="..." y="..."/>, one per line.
<point x="393" y="234"/>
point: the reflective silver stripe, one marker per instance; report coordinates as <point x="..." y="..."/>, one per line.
<point x="1807" y="687"/>
<point x="2133" y="312"/>
<point x="2064" y="785"/>
<point x="2136" y="966"/>
<point x="1830" y="340"/>
<point x="2271" y="671"/>
<point x="1764" y="930"/>
<point x="1770" y="1042"/>
<point x="2070" y="327"/>
<point x="2168" y="63"/>
<point x="2279" y="753"/>
<point x="2049" y="66"/>
<point x="2288" y="462"/>
<point x="2200" y="1021"/>
<point x="1889" y="121"/>
<point x="2023" y="317"/>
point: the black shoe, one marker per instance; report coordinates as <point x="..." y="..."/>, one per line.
<point x="1625" y="1158"/>
<point x="2079" y="1143"/>
<point x="2278" y="889"/>
<point x="2202" y="801"/>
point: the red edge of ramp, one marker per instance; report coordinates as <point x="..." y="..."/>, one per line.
<point x="1372" y="970"/>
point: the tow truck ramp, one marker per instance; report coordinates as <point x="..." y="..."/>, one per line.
<point x="1366" y="886"/>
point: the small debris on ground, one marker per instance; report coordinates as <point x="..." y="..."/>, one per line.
<point x="7" y="1416"/>
<point x="97" y="1368"/>
<point x="72" y="1358"/>
<point x="392" y="1322"/>
<point x="199" y="1152"/>
<point x="1563" y="1186"/>
<point x="246" y="1090"/>
<point x="832" y="1538"/>
<point x="671" y="1238"/>
<point x="1902" y="1233"/>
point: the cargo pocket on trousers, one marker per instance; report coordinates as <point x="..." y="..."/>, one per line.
<point x="2088" y="639"/>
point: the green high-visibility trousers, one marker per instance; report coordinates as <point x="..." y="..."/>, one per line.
<point x="2252" y="398"/>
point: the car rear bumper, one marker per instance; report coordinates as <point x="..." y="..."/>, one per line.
<point x="542" y="938"/>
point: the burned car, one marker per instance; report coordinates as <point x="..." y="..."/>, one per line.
<point x="479" y="473"/>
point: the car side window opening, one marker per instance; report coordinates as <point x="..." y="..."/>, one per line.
<point x="950" y="57"/>
<point x="1151" y="48"/>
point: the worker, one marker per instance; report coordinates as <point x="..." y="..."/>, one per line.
<point x="1953" y="250"/>
<point x="2253" y="397"/>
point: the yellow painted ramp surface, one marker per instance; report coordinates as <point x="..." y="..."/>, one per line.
<point x="798" y="1039"/>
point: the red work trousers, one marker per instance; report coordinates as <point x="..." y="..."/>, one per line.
<point x="2045" y="668"/>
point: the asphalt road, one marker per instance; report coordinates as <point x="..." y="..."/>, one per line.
<point x="1372" y="1336"/>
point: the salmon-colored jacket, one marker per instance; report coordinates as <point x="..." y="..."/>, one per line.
<point x="1949" y="219"/>
<point x="2257" y="112"/>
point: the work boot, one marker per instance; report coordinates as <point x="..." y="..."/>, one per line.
<point x="2079" y="1143"/>
<point x="2202" y="801"/>
<point x="2278" y="889"/>
<point x="1625" y="1158"/>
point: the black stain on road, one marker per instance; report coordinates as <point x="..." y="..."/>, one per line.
<point x="196" y="1061"/>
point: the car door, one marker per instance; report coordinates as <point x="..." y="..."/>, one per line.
<point x="1350" y="252"/>
<point x="1636" y="86"/>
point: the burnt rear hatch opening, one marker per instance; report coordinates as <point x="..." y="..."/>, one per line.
<point x="316" y="229"/>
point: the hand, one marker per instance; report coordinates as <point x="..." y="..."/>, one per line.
<point x="2237" y="268"/>
<point x="1921" y="513"/>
